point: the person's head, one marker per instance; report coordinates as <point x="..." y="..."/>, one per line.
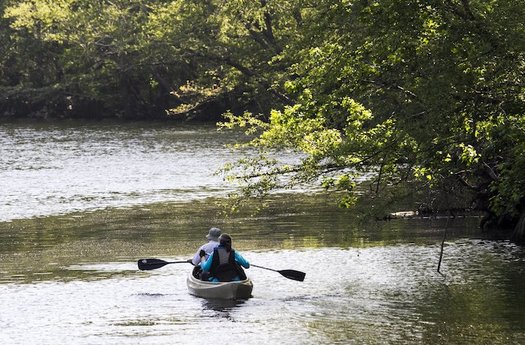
<point x="226" y="241"/>
<point x="213" y="234"/>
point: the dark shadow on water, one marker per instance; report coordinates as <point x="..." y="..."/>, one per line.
<point x="222" y="308"/>
<point x="222" y="305"/>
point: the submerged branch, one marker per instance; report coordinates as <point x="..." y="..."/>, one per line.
<point x="442" y="247"/>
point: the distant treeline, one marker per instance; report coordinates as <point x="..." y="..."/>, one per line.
<point x="396" y="91"/>
<point x="142" y="59"/>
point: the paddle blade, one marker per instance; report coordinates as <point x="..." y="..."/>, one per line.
<point x="292" y="274"/>
<point x="151" y="264"/>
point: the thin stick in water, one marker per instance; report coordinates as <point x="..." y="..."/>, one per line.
<point x="442" y="247"/>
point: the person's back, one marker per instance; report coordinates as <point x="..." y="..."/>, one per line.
<point x="207" y="248"/>
<point x="224" y="264"/>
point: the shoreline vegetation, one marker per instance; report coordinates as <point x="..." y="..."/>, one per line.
<point x="424" y="93"/>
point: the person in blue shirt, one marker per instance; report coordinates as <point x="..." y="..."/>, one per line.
<point x="224" y="264"/>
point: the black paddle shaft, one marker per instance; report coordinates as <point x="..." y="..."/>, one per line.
<point x="290" y="274"/>
<point x="152" y="264"/>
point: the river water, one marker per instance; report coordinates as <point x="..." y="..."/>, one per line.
<point x="80" y="203"/>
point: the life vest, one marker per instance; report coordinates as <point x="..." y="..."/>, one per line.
<point x="224" y="267"/>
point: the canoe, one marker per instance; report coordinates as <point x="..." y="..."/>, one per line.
<point x="225" y="290"/>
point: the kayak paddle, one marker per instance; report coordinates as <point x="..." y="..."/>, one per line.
<point x="290" y="274"/>
<point x="152" y="264"/>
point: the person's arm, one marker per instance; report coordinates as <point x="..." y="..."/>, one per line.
<point x="206" y="265"/>
<point x="241" y="260"/>
<point x="197" y="258"/>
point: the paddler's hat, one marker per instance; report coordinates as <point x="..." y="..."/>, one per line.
<point x="213" y="234"/>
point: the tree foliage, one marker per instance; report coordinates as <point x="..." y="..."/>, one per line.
<point x="140" y="57"/>
<point x="390" y="91"/>
<point x="400" y="90"/>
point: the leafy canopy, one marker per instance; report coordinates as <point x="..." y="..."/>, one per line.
<point x="391" y="91"/>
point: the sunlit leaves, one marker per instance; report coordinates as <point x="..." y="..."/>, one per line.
<point x="42" y="18"/>
<point x="397" y="90"/>
<point x="247" y="121"/>
<point x="468" y="154"/>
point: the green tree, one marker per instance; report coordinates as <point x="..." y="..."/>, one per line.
<point x="392" y="91"/>
<point x="233" y="47"/>
<point x="104" y="58"/>
<point x="133" y="56"/>
<point x="27" y="65"/>
<point x="387" y="91"/>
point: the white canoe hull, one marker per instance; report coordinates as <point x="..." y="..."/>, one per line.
<point x="226" y="290"/>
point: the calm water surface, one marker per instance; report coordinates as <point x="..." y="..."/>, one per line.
<point x="81" y="203"/>
<point x="50" y="169"/>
